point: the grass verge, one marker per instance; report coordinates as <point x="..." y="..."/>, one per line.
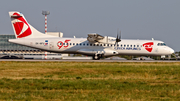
<point x="89" y="81"/>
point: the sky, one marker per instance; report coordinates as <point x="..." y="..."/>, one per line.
<point x="137" y="19"/>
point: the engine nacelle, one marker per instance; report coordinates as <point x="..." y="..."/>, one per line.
<point x="91" y="39"/>
<point x="108" y="52"/>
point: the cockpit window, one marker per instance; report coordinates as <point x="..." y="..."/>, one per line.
<point x="161" y="44"/>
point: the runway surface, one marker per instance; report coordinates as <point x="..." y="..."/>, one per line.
<point x="92" y="60"/>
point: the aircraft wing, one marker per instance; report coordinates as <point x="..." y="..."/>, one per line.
<point x="95" y="37"/>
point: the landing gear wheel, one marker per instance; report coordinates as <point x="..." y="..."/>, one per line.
<point x="96" y="57"/>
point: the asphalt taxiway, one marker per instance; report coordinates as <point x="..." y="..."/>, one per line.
<point x="92" y="60"/>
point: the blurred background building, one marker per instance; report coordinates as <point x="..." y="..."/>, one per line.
<point x="5" y="46"/>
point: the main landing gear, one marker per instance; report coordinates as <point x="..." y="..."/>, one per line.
<point x="97" y="56"/>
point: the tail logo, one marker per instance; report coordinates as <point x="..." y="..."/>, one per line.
<point x="148" y="46"/>
<point x="21" y="27"/>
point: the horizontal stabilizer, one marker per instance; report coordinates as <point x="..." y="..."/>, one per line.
<point x="15" y="15"/>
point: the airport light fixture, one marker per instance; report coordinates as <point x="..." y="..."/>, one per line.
<point x="45" y="13"/>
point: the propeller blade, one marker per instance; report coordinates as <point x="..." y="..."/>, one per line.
<point x="120" y="37"/>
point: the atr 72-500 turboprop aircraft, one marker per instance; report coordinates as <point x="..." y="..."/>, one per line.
<point x="94" y="45"/>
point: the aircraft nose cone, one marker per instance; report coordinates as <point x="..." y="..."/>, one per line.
<point x="171" y="51"/>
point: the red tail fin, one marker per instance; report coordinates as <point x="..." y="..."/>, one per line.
<point x="21" y="27"/>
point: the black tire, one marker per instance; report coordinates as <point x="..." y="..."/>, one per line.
<point x="98" y="57"/>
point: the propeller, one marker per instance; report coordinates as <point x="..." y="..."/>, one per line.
<point x="118" y="39"/>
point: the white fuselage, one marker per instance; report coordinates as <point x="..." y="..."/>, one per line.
<point x="83" y="46"/>
<point x="94" y="45"/>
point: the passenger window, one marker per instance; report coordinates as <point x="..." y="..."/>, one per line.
<point x="76" y="43"/>
<point x="127" y="45"/>
<point x="87" y="44"/>
<point x="124" y="45"/>
<point x="137" y="45"/>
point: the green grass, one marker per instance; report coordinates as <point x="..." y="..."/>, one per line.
<point x="71" y="81"/>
